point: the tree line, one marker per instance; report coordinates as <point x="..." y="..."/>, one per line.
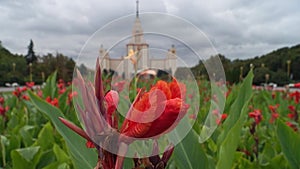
<point x="281" y="66"/>
<point x="15" y="68"/>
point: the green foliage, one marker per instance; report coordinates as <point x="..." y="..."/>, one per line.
<point x="82" y="157"/>
<point x="189" y="153"/>
<point x="15" y="68"/>
<point x="289" y="141"/>
<point x="26" y="157"/>
<point x="33" y="137"/>
<point x="273" y="63"/>
<point x="234" y="124"/>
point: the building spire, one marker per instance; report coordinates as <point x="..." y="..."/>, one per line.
<point x="137" y="8"/>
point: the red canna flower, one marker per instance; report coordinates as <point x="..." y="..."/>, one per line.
<point x="273" y="95"/>
<point x="1" y="100"/>
<point x="23" y="89"/>
<point x="152" y="114"/>
<point x="18" y="92"/>
<point x="297" y="85"/>
<point x="53" y="102"/>
<point x="71" y="95"/>
<point x="3" y="110"/>
<point x="40" y="93"/>
<point x="61" y="91"/>
<point x="294" y="114"/>
<point x="296" y="96"/>
<point x="256" y="115"/>
<point x="292" y="125"/>
<point x="220" y="117"/>
<point x="292" y="108"/>
<point x="273" y="108"/>
<point x="291" y="116"/>
<point x="90" y="144"/>
<point x="30" y="84"/>
<point x="274" y="116"/>
<point x="119" y="86"/>
<point x="155" y="112"/>
<point x="216" y="112"/>
<point x="224" y="116"/>
<point x="25" y="97"/>
<point x="61" y="86"/>
<point x="274" y="113"/>
<point x="193" y="116"/>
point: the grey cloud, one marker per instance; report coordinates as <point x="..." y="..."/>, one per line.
<point x="238" y="29"/>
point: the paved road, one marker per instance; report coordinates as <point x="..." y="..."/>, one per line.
<point x="10" y="89"/>
<point x="6" y="89"/>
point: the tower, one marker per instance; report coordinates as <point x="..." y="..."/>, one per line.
<point x="171" y="60"/>
<point x="138" y="44"/>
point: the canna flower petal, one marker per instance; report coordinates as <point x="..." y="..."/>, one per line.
<point x="155" y="112"/>
<point x="112" y="100"/>
<point x="174" y="112"/>
<point x="99" y="91"/>
<point x="178" y="90"/>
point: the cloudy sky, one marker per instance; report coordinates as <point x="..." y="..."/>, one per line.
<point x="236" y="28"/>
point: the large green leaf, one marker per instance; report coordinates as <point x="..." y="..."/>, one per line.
<point x="26" y="134"/>
<point x="82" y="157"/>
<point x="61" y="156"/>
<point x="290" y="143"/>
<point x="26" y="157"/>
<point x="47" y="158"/>
<point x="45" y="138"/>
<point x="50" y="88"/>
<point x="244" y="92"/>
<point x="239" y="109"/>
<point x="188" y="154"/>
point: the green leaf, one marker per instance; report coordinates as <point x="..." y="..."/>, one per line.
<point x="26" y="157"/>
<point x="61" y="156"/>
<point x="50" y="88"/>
<point x="45" y="138"/>
<point x="234" y="124"/>
<point x="4" y="142"/>
<point x="47" y="157"/>
<point x="82" y="157"/>
<point x="290" y="143"/>
<point x="62" y="100"/>
<point x="26" y="134"/>
<point x="244" y="92"/>
<point x="128" y="163"/>
<point x="57" y="165"/>
<point x="188" y="154"/>
<point x="267" y="154"/>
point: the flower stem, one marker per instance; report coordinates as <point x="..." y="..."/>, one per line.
<point x="123" y="147"/>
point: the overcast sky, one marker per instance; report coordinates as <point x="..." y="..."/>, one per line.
<point x="237" y="28"/>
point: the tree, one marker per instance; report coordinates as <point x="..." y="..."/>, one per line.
<point x="30" y="57"/>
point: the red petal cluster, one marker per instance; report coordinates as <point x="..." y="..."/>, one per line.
<point x="256" y="115"/>
<point x="53" y="102"/>
<point x="296" y="96"/>
<point x="156" y="112"/>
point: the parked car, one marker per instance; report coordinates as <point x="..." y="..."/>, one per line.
<point x="294" y="85"/>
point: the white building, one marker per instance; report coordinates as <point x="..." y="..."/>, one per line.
<point x="124" y="66"/>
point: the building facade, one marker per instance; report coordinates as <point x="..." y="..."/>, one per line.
<point x="138" y="57"/>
